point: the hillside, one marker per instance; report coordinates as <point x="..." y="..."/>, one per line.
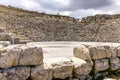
<point x="24" y="26"/>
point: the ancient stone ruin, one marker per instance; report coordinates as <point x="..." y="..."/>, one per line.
<point x="90" y="61"/>
<point x="25" y="26"/>
<point x="25" y="53"/>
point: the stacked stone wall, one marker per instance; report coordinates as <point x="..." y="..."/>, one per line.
<point x="90" y="62"/>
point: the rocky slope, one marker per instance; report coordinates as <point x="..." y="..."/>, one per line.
<point x="33" y="26"/>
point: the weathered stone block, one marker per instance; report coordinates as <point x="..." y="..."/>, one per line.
<point x="102" y="51"/>
<point x="18" y="73"/>
<point x="118" y="51"/>
<point x="15" y="55"/>
<point x="82" y="52"/>
<point x="101" y="65"/>
<point x="81" y="67"/>
<point x="61" y="67"/>
<point x="41" y="73"/>
<point x="114" y="63"/>
<point x="31" y="55"/>
<point x="9" y="56"/>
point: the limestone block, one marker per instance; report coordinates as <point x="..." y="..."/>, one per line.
<point x="101" y="65"/>
<point x="18" y="73"/>
<point x="102" y="51"/>
<point x="15" y="55"/>
<point x="114" y="63"/>
<point x="82" y="52"/>
<point x="9" y="56"/>
<point x="118" y="51"/>
<point x="81" y="67"/>
<point x="41" y="73"/>
<point x="31" y="55"/>
<point x="61" y="67"/>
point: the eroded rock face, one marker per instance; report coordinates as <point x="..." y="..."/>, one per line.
<point x="101" y="52"/>
<point x="41" y="73"/>
<point x="114" y="63"/>
<point x="81" y="67"/>
<point x="82" y="52"/>
<point x="31" y="55"/>
<point x="101" y="65"/>
<point x="61" y="67"/>
<point x="18" y="73"/>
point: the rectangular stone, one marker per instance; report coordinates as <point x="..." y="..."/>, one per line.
<point x="31" y="55"/>
<point x="21" y="55"/>
<point x="114" y="63"/>
<point x="9" y="56"/>
<point x="101" y="65"/>
<point x="102" y="51"/>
